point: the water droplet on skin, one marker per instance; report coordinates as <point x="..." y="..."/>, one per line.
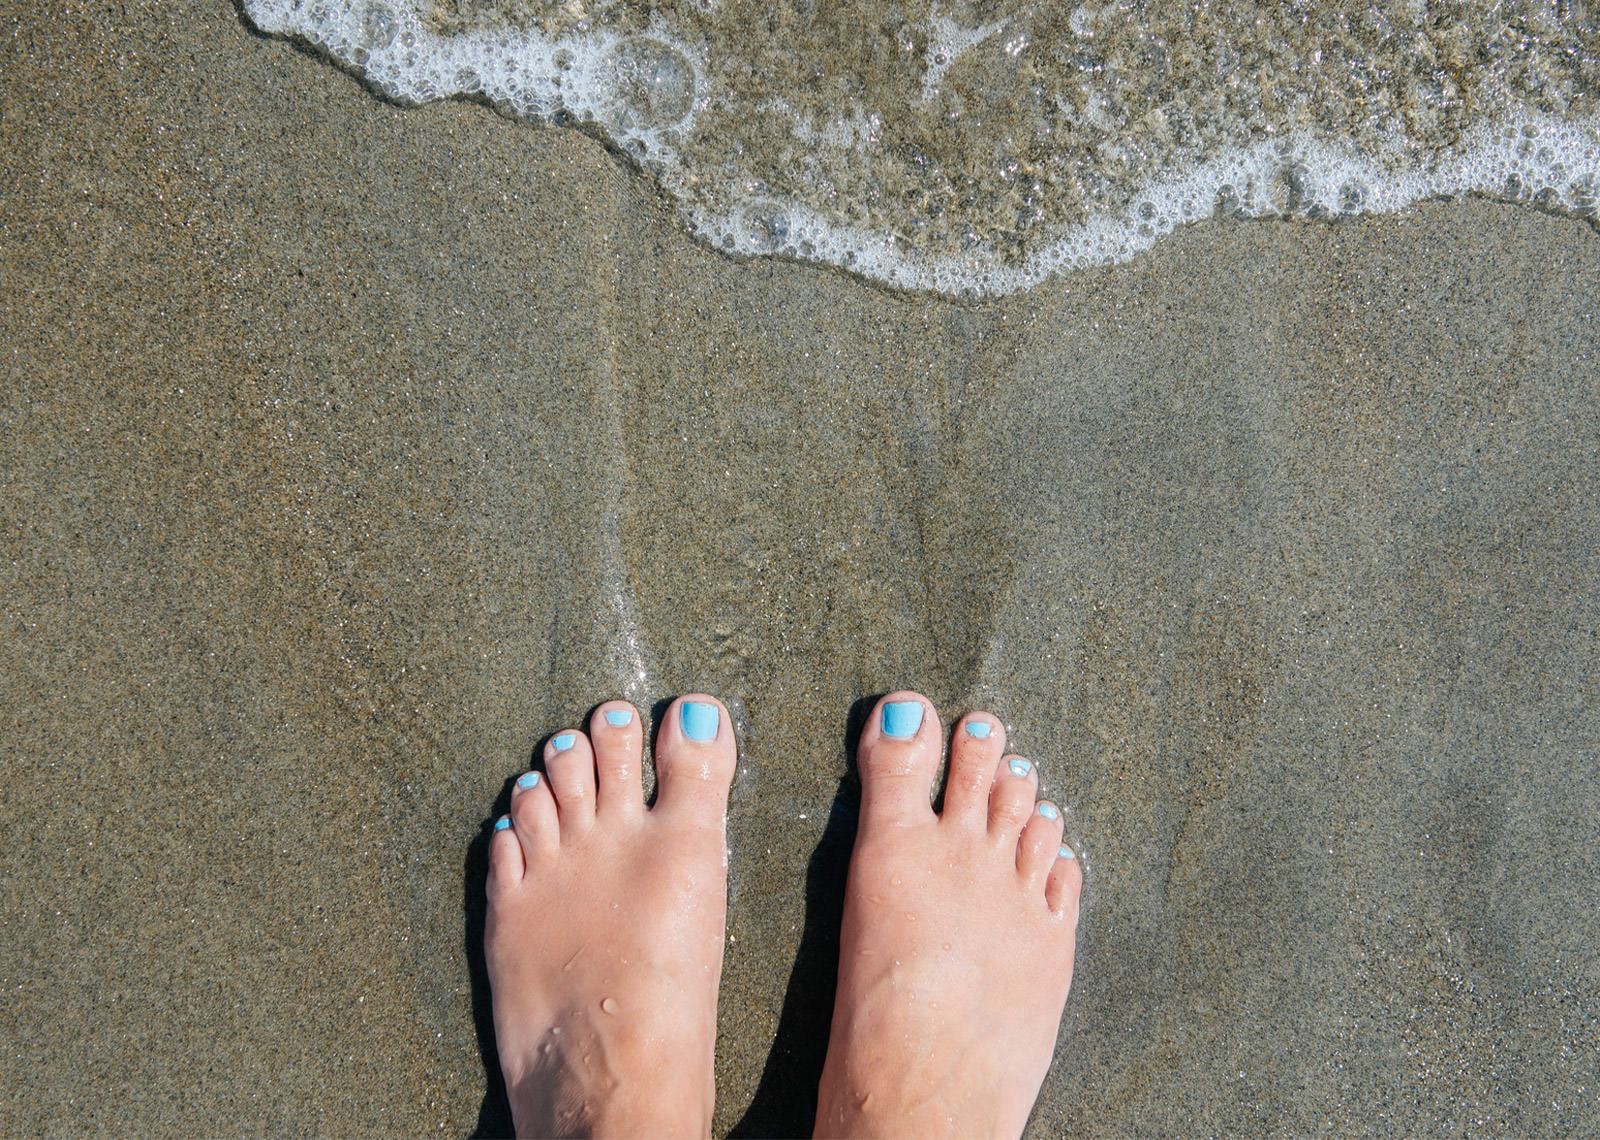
<point x="947" y="947"/>
<point x="609" y="1005"/>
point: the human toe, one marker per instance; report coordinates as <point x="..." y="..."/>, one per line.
<point x="533" y="817"/>
<point x="696" y="756"/>
<point x="1064" y="884"/>
<point x="617" y="738"/>
<point x="506" y="863"/>
<point x="569" y="764"/>
<point x="1040" y="843"/>
<point x="897" y="757"/>
<point x="1011" y="799"/>
<point x="975" y="747"/>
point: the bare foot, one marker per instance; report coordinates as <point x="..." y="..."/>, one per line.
<point x="605" y="927"/>
<point x="955" y="955"/>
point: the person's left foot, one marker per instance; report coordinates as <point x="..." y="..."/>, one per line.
<point x="605" y="927"/>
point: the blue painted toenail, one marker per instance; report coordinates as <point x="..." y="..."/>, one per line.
<point x="1049" y="811"/>
<point x="699" y="721"/>
<point x="1064" y="852"/>
<point x="1021" y="767"/>
<point x="617" y="718"/>
<point x="528" y="780"/>
<point x="563" y="742"/>
<point x="901" y="719"/>
<point x="502" y="823"/>
<point x="979" y="729"/>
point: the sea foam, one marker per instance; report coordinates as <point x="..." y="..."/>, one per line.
<point x="928" y="149"/>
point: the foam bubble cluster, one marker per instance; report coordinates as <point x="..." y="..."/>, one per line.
<point x="924" y="148"/>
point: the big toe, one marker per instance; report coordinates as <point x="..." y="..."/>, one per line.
<point x="696" y="755"/>
<point x="897" y="757"/>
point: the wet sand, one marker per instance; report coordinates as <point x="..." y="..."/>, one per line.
<point x="348" y="449"/>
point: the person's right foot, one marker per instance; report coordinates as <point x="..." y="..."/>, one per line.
<point x="956" y="949"/>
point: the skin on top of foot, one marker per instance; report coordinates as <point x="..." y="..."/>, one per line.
<point x="605" y="926"/>
<point x="956" y="949"/>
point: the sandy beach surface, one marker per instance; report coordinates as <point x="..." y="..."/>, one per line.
<point x="347" y="450"/>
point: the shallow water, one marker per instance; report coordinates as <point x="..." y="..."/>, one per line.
<point x="979" y="148"/>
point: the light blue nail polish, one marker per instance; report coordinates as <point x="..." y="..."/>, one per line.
<point x="1021" y="767"/>
<point x="564" y="741"/>
<point x="1049" y="811"/>
<point x="1064" y="852"/>
<point x="502" y="823"/>
<point x="619" y="718"/>
<point x="699" y="720"/>
<point x="901" y="719"/>
<point x="979" y="729"/>
<point x="528" y="780"/>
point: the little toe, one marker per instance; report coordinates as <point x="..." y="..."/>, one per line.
<point x="897" y="758"/>
<point x="569" y="763"/>
<point x="696" y="755"/>
<point x="506" y="864"/>
<point x="1065" y="883"/>
<point x="1011" y="801"/>
<point x="1041" y="839"/>
<point x="618" y="742"/>
<point x="975" y="748"/>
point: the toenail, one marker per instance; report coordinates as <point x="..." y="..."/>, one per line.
<point x="699" y="720"/>
<point x="1064" y="852"/>
<point x="617" y="718"/>
<point x="528" y="780"/>
<point x="1021" y="767"/>
<point x="901" y="719"/>
<point x="979" y="729"/>
<point x="502" y="823"/>
<point x="563" y="742"/>
<point x="1049" y="811"/>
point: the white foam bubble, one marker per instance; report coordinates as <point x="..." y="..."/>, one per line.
<point x="948" y="41"/>
<point x="1532" y="157"/>
<point x="645" y="91"/>
<point x="640" y="88"/>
